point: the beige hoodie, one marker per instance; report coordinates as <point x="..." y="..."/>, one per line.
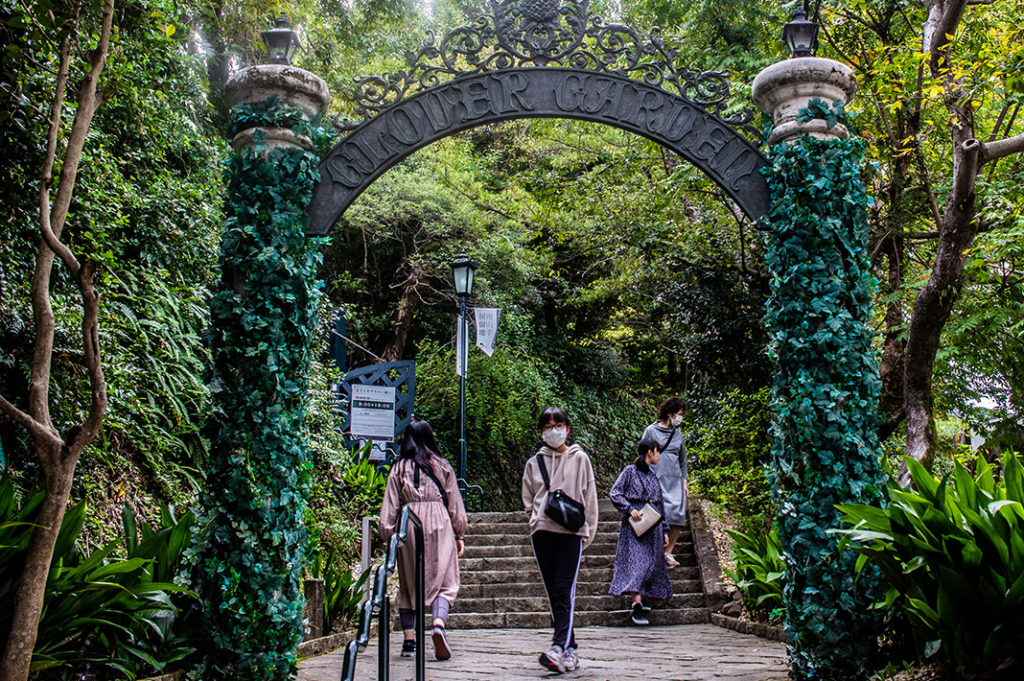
<point x="569" y="471"/>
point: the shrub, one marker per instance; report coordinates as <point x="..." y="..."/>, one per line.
<point x="112" y="616"/>
<point x="343" y="591"/>
<point x="759" y="571"/>
<point x="953" y="553"/>
<point x="728" y="460"/>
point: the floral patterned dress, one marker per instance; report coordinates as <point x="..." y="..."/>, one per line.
<point x="639" y="561"/>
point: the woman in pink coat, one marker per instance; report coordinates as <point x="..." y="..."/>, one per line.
<point x="421" y="478"/>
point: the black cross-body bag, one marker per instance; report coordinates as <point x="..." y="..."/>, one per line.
<point x="561" y="508"/>
<point x="430" y="474"/>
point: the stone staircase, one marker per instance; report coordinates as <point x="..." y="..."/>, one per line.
<point x="501" y="585"/>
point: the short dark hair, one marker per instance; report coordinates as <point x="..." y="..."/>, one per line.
<point x="552" y="414"/>
<point x="645" y="445"/>
<point x="419" y="443"/>
<point x="672" y="405"/>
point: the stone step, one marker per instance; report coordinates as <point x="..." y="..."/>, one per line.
<point x="598" y="548"/>
<point x="592" y="618"/>
<point x="523" y="539"/>
<point x="520" y="563"/>
<point x="536" y="588"/>
<point x="532" y="574"/>
<point x="602" y="546"/>
<point x="603" y="603"/>
<point x="604" y="512"/>
<point x="522" y="529"/>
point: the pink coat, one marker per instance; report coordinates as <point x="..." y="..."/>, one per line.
<point x="441" y="527"/>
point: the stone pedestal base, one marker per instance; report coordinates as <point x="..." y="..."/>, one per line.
<point x="785" y="87"/>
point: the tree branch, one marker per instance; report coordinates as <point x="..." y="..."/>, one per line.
<point x="1000" y="148"/>
<point x="87" y="103"/>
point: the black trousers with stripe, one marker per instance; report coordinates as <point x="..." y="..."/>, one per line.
<point x="558" y="557"/>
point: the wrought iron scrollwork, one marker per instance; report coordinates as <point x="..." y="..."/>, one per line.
<point x="524" y="33"/>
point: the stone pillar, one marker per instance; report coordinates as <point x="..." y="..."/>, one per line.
<point x="825" y="388"/>
<point x="786" y="87"/>
<point x="252" y="536"/>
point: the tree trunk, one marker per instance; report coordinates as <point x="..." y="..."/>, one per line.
<point x="403" y="323"/>
<point x="934" y="303"/>
<point x="28" y="601"/>
<point x="891" y="367"/>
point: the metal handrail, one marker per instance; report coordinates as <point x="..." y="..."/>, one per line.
<point x="380" y="603"/>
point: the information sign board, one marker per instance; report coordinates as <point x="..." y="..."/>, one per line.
<point x="373" y="412"/>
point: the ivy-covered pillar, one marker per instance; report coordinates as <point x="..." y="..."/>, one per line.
<point x="262" y="316"/>
<point x="825" y="390"/>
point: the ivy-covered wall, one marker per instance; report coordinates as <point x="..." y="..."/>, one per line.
<point x="825" y="449"/>
<point x="250" y="548"/>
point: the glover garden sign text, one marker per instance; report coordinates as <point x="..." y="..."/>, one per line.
<point x="468" y="101"/>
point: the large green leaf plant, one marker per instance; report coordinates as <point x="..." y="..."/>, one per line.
<point x="952" y="551"/>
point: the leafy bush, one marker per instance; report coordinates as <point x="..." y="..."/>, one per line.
<point x="953" y="553"/>
<point x="759" y="571"/>
<point x="728" y="461"/>
<point x="365" y="482"/>
<point x="112" y="616"/>
<point x="343" y="591"/>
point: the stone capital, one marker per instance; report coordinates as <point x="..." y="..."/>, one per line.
<point x="785" y="87"/>
<point x="294" y="86"/>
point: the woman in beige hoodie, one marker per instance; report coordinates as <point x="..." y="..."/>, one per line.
<point x="557" y="548"/>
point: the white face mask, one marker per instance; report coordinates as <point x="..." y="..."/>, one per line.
<point x="554" y="437"/>
<point x="676" y="420"/>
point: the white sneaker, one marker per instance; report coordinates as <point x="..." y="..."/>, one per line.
<point x="570" y="660"/>
<point x="671" y="561"/>
<point x="553" y="659"/>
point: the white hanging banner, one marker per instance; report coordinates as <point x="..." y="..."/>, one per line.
<point x="460" y="347"/>
<point x="487" y="327"/>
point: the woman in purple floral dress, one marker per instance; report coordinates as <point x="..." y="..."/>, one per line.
<point x="640" y="568"/>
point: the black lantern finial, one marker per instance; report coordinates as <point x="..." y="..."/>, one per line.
<point x="281" y="42"/>
<point x="801" y="35"/>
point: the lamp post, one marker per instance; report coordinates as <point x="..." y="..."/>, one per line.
<point x="800" y="34"/>
<point x="281" y="42"/>
<point x="462" y="273"/>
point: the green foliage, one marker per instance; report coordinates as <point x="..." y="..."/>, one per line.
<point x="759" y="571"/>
<point x="116" y="616"/>
<point x="952" y="551"/>
<point x="730" y="458"/>
<point x="250" y="552"/>
<point x="825" y="449"/>
<point x="343" y="591"/>
<point x="365" y="481"/>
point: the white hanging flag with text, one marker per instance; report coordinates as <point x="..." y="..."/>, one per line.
<point x="460" y="346"/>
<point x="487" y="327"/>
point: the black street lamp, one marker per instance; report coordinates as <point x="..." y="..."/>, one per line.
<point x="462" y="273"/>
<point x="800" y="34"/>
<point x="281" y="42"/>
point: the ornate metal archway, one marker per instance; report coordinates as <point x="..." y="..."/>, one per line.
<point x="541" y="59"/>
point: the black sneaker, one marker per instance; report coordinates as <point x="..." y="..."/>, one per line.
<point x="639" y="616"/>
<point x="441" y="649"/>
<point x="409" y="648"/>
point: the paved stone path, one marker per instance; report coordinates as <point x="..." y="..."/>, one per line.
<point x="691" y="652"/>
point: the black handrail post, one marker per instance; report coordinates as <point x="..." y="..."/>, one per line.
<point x="421" y="592"/>
<point x="381" y="604"/>
<point x="384" y="640"/>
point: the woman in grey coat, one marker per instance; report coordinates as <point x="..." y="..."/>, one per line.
<point x="671" y="469"/>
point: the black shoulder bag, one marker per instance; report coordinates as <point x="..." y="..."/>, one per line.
<point x="430" y="474"/>
<point x="561" y="508"/>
